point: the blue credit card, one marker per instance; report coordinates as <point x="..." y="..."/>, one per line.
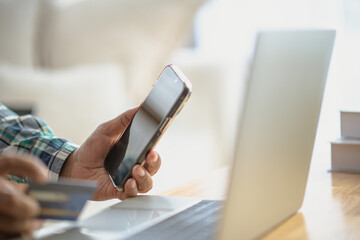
<point x="62" y="200"/>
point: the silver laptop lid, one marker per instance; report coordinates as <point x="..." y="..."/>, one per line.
<point x="277" y="131"/>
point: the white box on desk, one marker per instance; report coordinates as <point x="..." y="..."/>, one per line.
<point x="345" y="155"/>
<point x="350" y="124"/>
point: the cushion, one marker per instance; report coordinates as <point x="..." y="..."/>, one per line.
<point x="138" y="34"/>
<point x="72" y="101"/>
<point x="18" y="21"/>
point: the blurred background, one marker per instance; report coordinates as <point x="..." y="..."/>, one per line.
<point x="78" y="63"/>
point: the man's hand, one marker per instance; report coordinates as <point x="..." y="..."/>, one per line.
<point x="87" y="162"/>
<point x="17" y="210"/>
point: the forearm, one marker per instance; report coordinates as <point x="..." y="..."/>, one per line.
<point x="31" y="135"/>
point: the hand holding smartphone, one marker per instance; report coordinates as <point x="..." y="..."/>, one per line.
<point x="165" y="100"/>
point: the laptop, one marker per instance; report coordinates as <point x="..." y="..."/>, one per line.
<point x="275" y="137"/>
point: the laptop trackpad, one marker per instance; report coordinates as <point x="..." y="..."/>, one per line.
<point x="134" y="212"/>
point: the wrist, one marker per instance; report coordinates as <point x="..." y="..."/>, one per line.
<point x="69" y="165"/>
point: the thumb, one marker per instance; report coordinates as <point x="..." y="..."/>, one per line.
<point x="116" y="126"/>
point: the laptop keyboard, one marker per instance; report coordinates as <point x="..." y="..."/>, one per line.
<point x="196" y="222"/>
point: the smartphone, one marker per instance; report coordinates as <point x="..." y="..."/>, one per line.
<point x="165" y="100"/>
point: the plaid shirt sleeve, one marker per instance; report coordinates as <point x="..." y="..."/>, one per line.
<point x="31" y="135"/>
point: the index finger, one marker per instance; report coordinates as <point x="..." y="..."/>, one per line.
<point x="23" y="165"/>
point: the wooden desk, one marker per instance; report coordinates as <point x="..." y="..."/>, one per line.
<point x="331" y="208"/>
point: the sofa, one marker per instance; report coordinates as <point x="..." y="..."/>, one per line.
<point x="77" y="63"/>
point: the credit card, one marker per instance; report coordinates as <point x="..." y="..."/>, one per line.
<point x="62" y="200"/>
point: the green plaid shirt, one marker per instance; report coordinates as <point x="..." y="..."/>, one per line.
<point x="31" y="135"/>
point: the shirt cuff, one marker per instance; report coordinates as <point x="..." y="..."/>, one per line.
<point x="59" y="159"/>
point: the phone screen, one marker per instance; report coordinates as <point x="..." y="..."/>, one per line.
<point x="144" y="129"/>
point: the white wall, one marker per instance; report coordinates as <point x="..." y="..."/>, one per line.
<point x="225" y="31"/>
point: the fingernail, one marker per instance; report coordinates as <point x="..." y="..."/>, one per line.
<point x="153" y="158"/>
<point x="140" y="171"/>
<point x="133" y="184"/>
